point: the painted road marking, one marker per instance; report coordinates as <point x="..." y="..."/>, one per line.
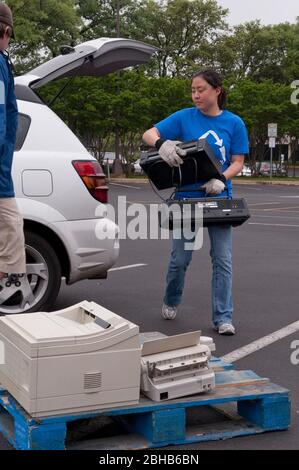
<point x="262" y="204"/>
<point x="261" y="343"/>
<point x="124" y="186"/>
<point x="241" y="186"/>
<point x="278" y="209"/>
<point x="272" y="225"/>
<point x="275" y="216"/>
<point x="130" y="266"/>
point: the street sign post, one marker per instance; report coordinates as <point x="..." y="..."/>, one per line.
<point x="272" y="130"/>
<point x="272" y="134"/>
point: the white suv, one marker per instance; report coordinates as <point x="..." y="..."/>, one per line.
<point x="58" y="184"/>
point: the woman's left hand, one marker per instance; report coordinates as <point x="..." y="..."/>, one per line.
<point x="214" y="187"/>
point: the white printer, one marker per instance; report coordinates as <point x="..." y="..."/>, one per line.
<point x="81" y="358"/>
<point x="176" y="366"/>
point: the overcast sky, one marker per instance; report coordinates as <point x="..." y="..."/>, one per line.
<point x="268" y="11"/>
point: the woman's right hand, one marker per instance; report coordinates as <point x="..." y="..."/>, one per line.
<point x="171" y="153"/>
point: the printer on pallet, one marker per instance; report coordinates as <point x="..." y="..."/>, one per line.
<point x="177" y="366"/>
<point x="86" y="358"/>
<point x="78" y="359"/>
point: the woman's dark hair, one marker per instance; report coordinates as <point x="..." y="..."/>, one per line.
<point x="215" y="80"/>
<point x="3" y="28"/>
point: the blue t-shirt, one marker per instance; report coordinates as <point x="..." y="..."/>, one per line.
<point x="225" y="133"/>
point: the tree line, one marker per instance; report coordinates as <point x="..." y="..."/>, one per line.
<point x="259" y="64"/>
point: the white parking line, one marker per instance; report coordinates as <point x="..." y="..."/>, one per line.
<point x="130" y="266"/>
<point x="261" y="343"/>
<point x="278" y="209"/>
<point x="272" y="225"/>
<point x="241" y="186"/>
<point x="144" y="203"/>
<point x="274" y="216"/>
<point x="124" y="185"/>
<point x="263" y="204"/>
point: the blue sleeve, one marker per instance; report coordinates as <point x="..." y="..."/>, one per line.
<point x="11" y="112"/>
<point x="2" y="107"/>
<point x="239" y="145"/>
<point x="170" y="127"/>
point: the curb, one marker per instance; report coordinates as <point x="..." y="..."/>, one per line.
<point x="128" y="180"/>
<point x="144" y="181"/>
<point x="273" y="183"/>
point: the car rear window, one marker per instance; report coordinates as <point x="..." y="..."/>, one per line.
<point x="22" y="131"/>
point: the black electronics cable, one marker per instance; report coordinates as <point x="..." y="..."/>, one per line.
<point x="177" y="186"/>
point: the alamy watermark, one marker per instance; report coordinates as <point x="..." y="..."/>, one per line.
<point x="135" y="221"/>
<point x="295" y="354"/>
<point x="295" y="94"/>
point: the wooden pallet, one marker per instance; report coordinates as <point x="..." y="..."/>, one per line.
<point x="242" y="404"/>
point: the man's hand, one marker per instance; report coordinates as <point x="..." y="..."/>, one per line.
<point x="171" y="153"/>
<point x="214" y="186"/>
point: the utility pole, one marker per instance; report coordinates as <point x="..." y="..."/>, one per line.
<point x="118" y="18"/>
<point x="117" y="168"/>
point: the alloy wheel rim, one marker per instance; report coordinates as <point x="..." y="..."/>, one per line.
<point x="20" y="299"/>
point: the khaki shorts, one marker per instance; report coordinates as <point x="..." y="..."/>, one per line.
<point x="12" y="249"/>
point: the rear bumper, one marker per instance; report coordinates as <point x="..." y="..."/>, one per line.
<point x="91" y="250"/>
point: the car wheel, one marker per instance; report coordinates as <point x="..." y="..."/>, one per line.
<point x="44" y="279"/>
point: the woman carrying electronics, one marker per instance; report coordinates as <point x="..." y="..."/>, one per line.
<point x="226" y="133"/>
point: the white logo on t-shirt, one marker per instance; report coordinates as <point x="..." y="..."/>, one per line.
<point x="218" y="142"/>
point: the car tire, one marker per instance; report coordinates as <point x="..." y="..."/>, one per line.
<point x="43" y="275"/>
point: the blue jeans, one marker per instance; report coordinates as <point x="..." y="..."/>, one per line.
<point x="221" y="256"/>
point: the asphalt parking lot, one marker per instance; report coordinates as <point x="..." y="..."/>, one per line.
<point x="266" y="294"/>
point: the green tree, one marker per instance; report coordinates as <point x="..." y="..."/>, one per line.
<point x="259" y="52"/>
<point x="100" y="17"/>
<point x="258" y="62"/>
<point x="41" y="27"/>
<point x="259" y="104"/>
<point x="183" y="30"/>
<point x="290" y="62"/>
<point x="134" y="102"/>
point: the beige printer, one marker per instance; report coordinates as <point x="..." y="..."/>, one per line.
<point x="81" y="358"/>
<point x="176" y="366"/>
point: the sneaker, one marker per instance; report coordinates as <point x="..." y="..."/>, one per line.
<point x="226" y="329"/>
<point x="169" y="313"/>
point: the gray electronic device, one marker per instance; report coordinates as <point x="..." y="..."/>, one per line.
<point x="176" y="366"/>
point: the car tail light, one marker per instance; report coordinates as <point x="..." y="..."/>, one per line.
<point x="93" y="177"/>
